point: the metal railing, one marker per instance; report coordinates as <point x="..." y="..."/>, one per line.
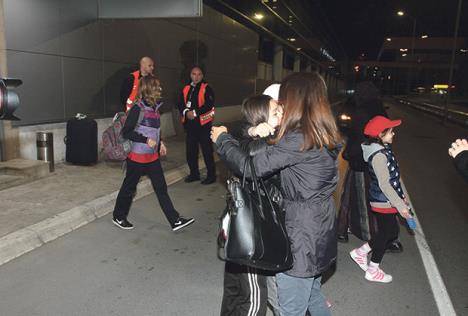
<point x="455" y="116"/>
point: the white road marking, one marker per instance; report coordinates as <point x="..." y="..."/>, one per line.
<point x="443" y="301"/>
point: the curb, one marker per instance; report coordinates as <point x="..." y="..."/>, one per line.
<point x="29" y="238"/>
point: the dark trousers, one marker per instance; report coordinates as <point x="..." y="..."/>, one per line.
<point x="387" y="231"/>
<point x="135" y="171"/>
<point x="196" y="135"/>
<point x="245" y="291"/>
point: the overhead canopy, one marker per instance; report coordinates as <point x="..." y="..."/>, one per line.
<point x="125" y="9"/>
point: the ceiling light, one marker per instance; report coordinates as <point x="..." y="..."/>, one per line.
<point x="401" y="13"/>
<point x="424" y="36"/>
<point x="389" y="39"/>
<point x="403" y="55"/>
<point x="258" y="16"/>
<point x="298" y="48"/>
<point x="463" y="50"/>
<point x="291" y="39"/>
<point x="403" y="49"/>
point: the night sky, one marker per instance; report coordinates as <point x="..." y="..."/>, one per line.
<point x="361" y="26"/>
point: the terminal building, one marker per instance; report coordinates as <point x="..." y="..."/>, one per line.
<point x="72" y="57"/>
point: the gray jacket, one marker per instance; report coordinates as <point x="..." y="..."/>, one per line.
<point x="308" y="179"/>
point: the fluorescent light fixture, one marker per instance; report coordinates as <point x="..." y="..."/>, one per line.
<point x="258" y="16"/>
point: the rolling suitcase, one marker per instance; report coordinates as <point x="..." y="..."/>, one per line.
<point x="81" y="141"/>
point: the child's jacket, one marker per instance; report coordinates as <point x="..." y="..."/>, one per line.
<point x="385" y="192"/>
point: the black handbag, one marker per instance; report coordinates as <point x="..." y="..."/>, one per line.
<point x="252" y="227"/>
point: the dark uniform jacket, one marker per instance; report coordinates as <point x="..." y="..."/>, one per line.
<point x="308" y="179"/>
<point x="193" y="98"/>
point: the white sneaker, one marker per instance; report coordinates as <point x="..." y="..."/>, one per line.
<point x="361" y="261"/>
<point x="378" y="276"/>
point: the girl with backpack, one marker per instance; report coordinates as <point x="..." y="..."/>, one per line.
<point x="145" y="133"/>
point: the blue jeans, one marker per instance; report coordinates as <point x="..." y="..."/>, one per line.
<point x="297" y="295"/>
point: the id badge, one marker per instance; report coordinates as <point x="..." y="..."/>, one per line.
<point x="189" y="103"/>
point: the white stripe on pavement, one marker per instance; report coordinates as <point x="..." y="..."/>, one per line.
<point x="443" y="301"/>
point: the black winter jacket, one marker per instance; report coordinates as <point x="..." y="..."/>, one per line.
<point x="308" y="179"/>
<point x="461" y="164"/>
<point x="360" y="115"/>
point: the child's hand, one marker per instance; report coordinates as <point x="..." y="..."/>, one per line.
<point x="457" y="147"/>
<point x="151" y="142"/>
<point x="162" y="149"/>
<point x="405" y="213"/>
<point x="261" y="130"/>
<point x="406" y="201"/>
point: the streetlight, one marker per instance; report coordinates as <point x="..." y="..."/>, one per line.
<point x="452" y="60"/>
<point x="402" y="13"/>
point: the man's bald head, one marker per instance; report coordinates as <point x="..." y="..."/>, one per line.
<point x="146" y="66"/>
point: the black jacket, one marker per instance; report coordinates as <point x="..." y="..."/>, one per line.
<point x="461" y="164"/>
<point x="308" y="180"/>
<point x="193" y="98"/>
<point x="360" y="115"/>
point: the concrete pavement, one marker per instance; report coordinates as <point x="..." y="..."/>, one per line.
<point x="35" y="213"/>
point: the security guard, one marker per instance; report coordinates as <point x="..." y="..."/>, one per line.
<point x="129" y="89"/>
<point x="196" y="107"/>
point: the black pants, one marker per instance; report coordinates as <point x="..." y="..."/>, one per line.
<point x="196" y="135"/>
<point x="245" y="291"/>
<point x="387" y="231"/>
<point x="135" y="171"/>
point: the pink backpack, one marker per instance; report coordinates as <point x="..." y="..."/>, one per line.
<point x="114" y="146"/>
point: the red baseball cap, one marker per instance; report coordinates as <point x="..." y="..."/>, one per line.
<point x="378" y="124"/>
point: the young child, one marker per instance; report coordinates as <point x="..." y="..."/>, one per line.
<point x="245" y="288"/>
<point x="143" y="128"/>
<point x="385" y="195"/>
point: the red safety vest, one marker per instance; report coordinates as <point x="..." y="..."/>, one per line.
<point x="136" y="82"/>
<point x="206" y="117"/>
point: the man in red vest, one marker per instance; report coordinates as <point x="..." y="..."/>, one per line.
<point x="129" y="89"/>
<point x="196" y="107"/>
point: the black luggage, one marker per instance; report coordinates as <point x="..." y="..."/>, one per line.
<point x="81" y="141"/>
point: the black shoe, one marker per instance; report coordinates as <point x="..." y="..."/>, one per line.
<point x="343" y="238"/>
<point x="122" y="223"/>
<point x="191" y="178"/>
<point x="395" y="247"/>
<point x="209" y="180"/>
<point x="181" y="223"/>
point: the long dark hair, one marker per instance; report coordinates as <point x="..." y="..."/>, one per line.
<point x="306" y="107"/>
<point x="256" y="109"/>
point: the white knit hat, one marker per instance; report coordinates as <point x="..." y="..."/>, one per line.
<point x="273" y="91"/>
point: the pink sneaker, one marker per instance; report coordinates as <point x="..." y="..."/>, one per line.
<point x="361" y="261"/>
<point x="378" y="276"/>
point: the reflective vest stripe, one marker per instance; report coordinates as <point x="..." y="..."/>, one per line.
<point x="206" y="117"/>
<point x="133" y="94"/>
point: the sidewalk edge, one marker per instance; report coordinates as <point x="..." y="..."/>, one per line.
<point x="29" y="238"/>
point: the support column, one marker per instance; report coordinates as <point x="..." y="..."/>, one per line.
<point x="9" y="136"/>
<point x="309" y="66"/>
<point x="278" y="63"/>
<point x="297" y="63"/>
